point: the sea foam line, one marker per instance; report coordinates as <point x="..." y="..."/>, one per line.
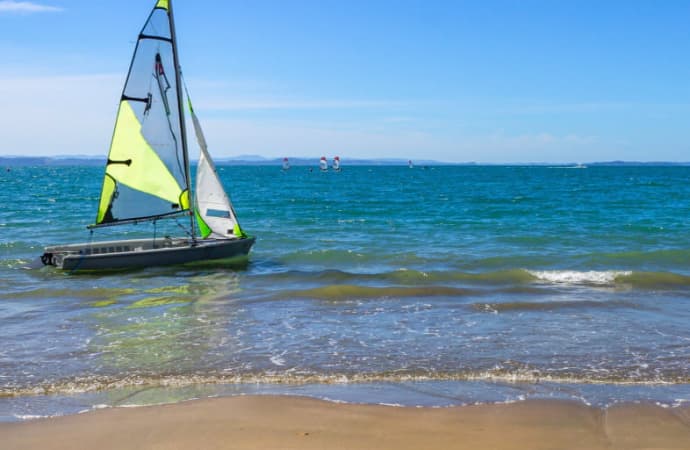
<point x="96" y="384"/>
<point x="595" y="277"/>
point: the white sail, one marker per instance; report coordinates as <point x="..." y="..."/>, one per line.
<point x="323" y="164"/>
<point x="336" y="163"/>
<point x="286" y="164"/>
<point x="214" y="213"/>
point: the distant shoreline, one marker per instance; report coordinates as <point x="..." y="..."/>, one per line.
<point x="23" y="161"/>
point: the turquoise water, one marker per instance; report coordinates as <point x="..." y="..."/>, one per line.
<point x="437" y="286"/>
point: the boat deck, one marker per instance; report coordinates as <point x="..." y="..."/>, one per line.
<point x="133" y="253"/>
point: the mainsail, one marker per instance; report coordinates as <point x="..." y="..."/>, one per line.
<point x="147" y="174"/>
<point x="214" y="213"/>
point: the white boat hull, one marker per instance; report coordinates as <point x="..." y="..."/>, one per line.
<point x="139" y="253"/>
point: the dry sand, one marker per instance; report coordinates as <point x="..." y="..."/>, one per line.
<point x="263" y="422"/>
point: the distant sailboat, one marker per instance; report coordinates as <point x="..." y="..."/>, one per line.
<point x="323" y="164"/>
<point x="410" y="165"/>
<point x="147" y="175"/>
<point x="575" y="166"/>
<point x="286" y="164"/>
<point x="336" y="163"/>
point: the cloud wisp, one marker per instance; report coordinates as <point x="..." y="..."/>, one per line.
<point x="270" y="104"/>
<point x="12" y="6"/>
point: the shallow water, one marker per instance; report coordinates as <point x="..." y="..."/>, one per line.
<point x="448" y="285"/>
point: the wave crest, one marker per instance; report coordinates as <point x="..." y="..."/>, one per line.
<point x="349" y="291"/>
<point x="591" y="277"/>
<point x="517" y="374"/>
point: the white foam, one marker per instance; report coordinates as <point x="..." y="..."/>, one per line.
<point x="278" y="360"/>
<point x="30" y="416"/>
<point x="578" y="277"/>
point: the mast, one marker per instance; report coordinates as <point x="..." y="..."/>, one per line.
<point x="183" y="127"/>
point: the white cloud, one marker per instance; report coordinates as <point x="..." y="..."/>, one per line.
<point x="276" y="138"/>
<point x="11" y="6"/>
<point x="255" y="95"/>
<point x="67" y="115"/>
<point x="501" y="147"/>
<point x="278" y="104"/>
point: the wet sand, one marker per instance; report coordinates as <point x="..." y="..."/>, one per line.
<point x="269" y="422"/>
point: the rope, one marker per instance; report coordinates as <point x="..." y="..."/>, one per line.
<point x="186" y="231"/>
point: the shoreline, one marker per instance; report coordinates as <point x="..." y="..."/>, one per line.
<point x="418" y="393"/>
<point x="285" y="422"/>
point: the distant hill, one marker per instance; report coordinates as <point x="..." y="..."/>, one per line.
<point x="242" y="160"/>
<point x="304" y="161"/>
<point x="638" y="163"/>
<point x="14" y="161"/>
<point x="256" y="160"/>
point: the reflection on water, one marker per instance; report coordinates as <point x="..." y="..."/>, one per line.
<point x="165" y="330"/>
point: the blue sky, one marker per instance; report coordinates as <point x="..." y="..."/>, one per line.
<point x="490" y="81"/>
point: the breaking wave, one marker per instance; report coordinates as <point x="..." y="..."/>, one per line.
<point x="496" y="374"/>
<point x="592" y="277"/>
<point x="342" y="283"/>
<point x="648" y="280"/>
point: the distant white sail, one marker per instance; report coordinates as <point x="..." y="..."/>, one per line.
<point x="409" y="164"/>
<point x="336" y="163"/>
<point x="323" y="163"/>
<point x="286" y="164"/>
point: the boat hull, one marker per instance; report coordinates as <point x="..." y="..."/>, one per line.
<point x="140" y="253"/>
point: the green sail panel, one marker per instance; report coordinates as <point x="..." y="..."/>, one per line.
<point x="146" y="173"/>
<point x="204" y="230"/>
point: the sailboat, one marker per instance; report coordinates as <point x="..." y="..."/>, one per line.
<point x="286" y="164"/>
<point x="147" y="176"/>
<point x="323" y="164"/>
<point x="336" y="163"/>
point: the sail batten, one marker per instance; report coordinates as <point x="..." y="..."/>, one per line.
<point x="159" y="38"/>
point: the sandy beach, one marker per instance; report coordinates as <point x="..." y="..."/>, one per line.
<point x="264" y="422"/>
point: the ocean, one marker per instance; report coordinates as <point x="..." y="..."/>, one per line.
<point x="432" y="286"/>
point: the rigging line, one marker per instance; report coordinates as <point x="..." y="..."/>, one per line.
<point x="186" y="231"/>
<point x="178" y="88"/>
<point x="150" y="97"/>
<point x="166" y="103"/>
<point x="159" y="70"/>
<point x="154" y="234"/>
<point x="159" y="74"/>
